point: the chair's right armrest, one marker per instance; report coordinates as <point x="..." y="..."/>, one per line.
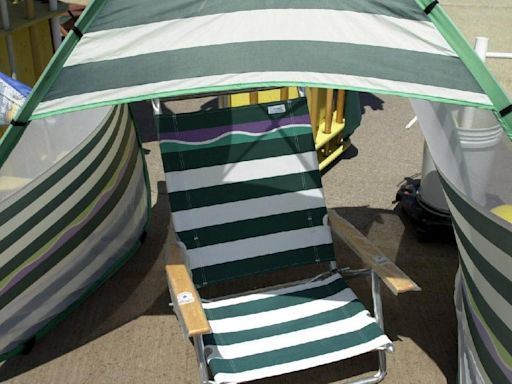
<point x="394" y="278"/>
<point x="186" y="299"/>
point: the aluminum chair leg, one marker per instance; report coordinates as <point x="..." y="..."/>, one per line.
<point x="377" y="301"/>
<point x="201" y="361"/>
<point x="379" y="317"/>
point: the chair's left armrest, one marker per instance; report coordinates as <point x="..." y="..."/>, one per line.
<point x="186" y="299"/>
<point x="394" y="278"/>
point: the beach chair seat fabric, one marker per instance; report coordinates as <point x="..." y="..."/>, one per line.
<point x="287" y="329"/>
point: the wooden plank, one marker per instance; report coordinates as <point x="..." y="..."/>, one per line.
<point x="340" y="106"/>
<point x="186" y="299"/>
<point x="313" y="109"/>
<point x="329" y="99"/>
<point x="394" y="278"/>
<point x="253" y="98"/>
<point x="19" y="21"/>
<point x="4" y="58"/>
<point x="284" y="94"/>
<point x="23" y="56"/>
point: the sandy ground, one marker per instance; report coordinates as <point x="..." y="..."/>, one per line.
<point x="126" y="332"/>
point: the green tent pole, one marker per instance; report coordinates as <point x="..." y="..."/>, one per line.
<point x="476" y="66"/>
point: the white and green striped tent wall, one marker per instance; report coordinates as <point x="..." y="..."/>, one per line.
<point x="483" y="290"/>
<point x="476" y="178"/>
<point x="68" y="229"/>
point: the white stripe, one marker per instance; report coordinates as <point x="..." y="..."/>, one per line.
<point x="498" y="304"/>
<point x="299" y="365"/>
<point x="281" y="315"/>
<point x="272" y="343"/>
<point x="247" y="209"/>
<point x="234" y="132"/>
<point x="494" y="255"/>
<point x="323" y="25"/>
<point x="258" y="246"/>
<point x="272" y="293"/>
<point x="269" y="78"/>
<point x="55" y="189"/>
<point x="241" y="171"/>
<point x="96" y="119"/>
<point x="66" y="204"/>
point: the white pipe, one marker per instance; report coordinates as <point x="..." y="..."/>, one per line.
<point x="412" y="122"/>
<point x="481" y="47"/>
<point x="499" y="55"/>
<point x="55" y="25"/>
<point x="468" y="114"/>
<point x="157" y="107"/>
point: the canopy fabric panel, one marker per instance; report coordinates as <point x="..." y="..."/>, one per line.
<point x="192" y="46"/>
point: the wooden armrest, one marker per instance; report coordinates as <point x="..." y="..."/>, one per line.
<point x="186" y="300"/>
<point x="394" y="278"/>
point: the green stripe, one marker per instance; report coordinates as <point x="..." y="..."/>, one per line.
<point x="474" y="64"/>
<point x="297" y="352"/>
<point x="497" y="280"/>
<point x="72" y="307"/>
<point x="338" y="58"/>
<point x="277" y="302"/>
<point x="91" y="288"/>
<point x="229" y="116"/>
<point x="349" y="310"/>
<point x="488" y="228"/>
<point x="134" y="12"/>
<point x="238" y="230"/>
<point x="63" y="195"/>
<point x="76" y="240"/>
<point x="226" y="193"/>
<point x="236" y="138"/>
<point x="491" y="368"/>
<point x="23" y="201"/>
<point x="70" y="215"/>
<point x="266" y="263"/>
<point x="499" y="328"/>
<point x="229" y="154"/>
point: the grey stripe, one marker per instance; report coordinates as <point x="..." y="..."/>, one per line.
<point x="338" y="58"/>
<point x="23" y="201"/>
<point x="498" y="281"/>
<point x="135" y="12"/>
<point x="497" y="234"/>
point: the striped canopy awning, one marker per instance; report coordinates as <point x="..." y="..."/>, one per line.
<point x="133" y="50"/>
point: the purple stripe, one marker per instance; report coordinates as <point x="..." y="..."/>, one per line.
<point x="204" y="134"/>
<point x="66" y="236"/>
<point x="486" y="339"/>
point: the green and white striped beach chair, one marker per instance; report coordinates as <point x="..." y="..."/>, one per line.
<point x="246" y="198"/>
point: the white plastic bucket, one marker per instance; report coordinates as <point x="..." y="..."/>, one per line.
<point x="478" y="145"/>
<point x="431" y="191"/>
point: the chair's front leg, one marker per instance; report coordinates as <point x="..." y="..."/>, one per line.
<point x="377" y="300"/>
<point x="201" y="360"/>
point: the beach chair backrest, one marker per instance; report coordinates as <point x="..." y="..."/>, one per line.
<point x="244" y="189"/>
